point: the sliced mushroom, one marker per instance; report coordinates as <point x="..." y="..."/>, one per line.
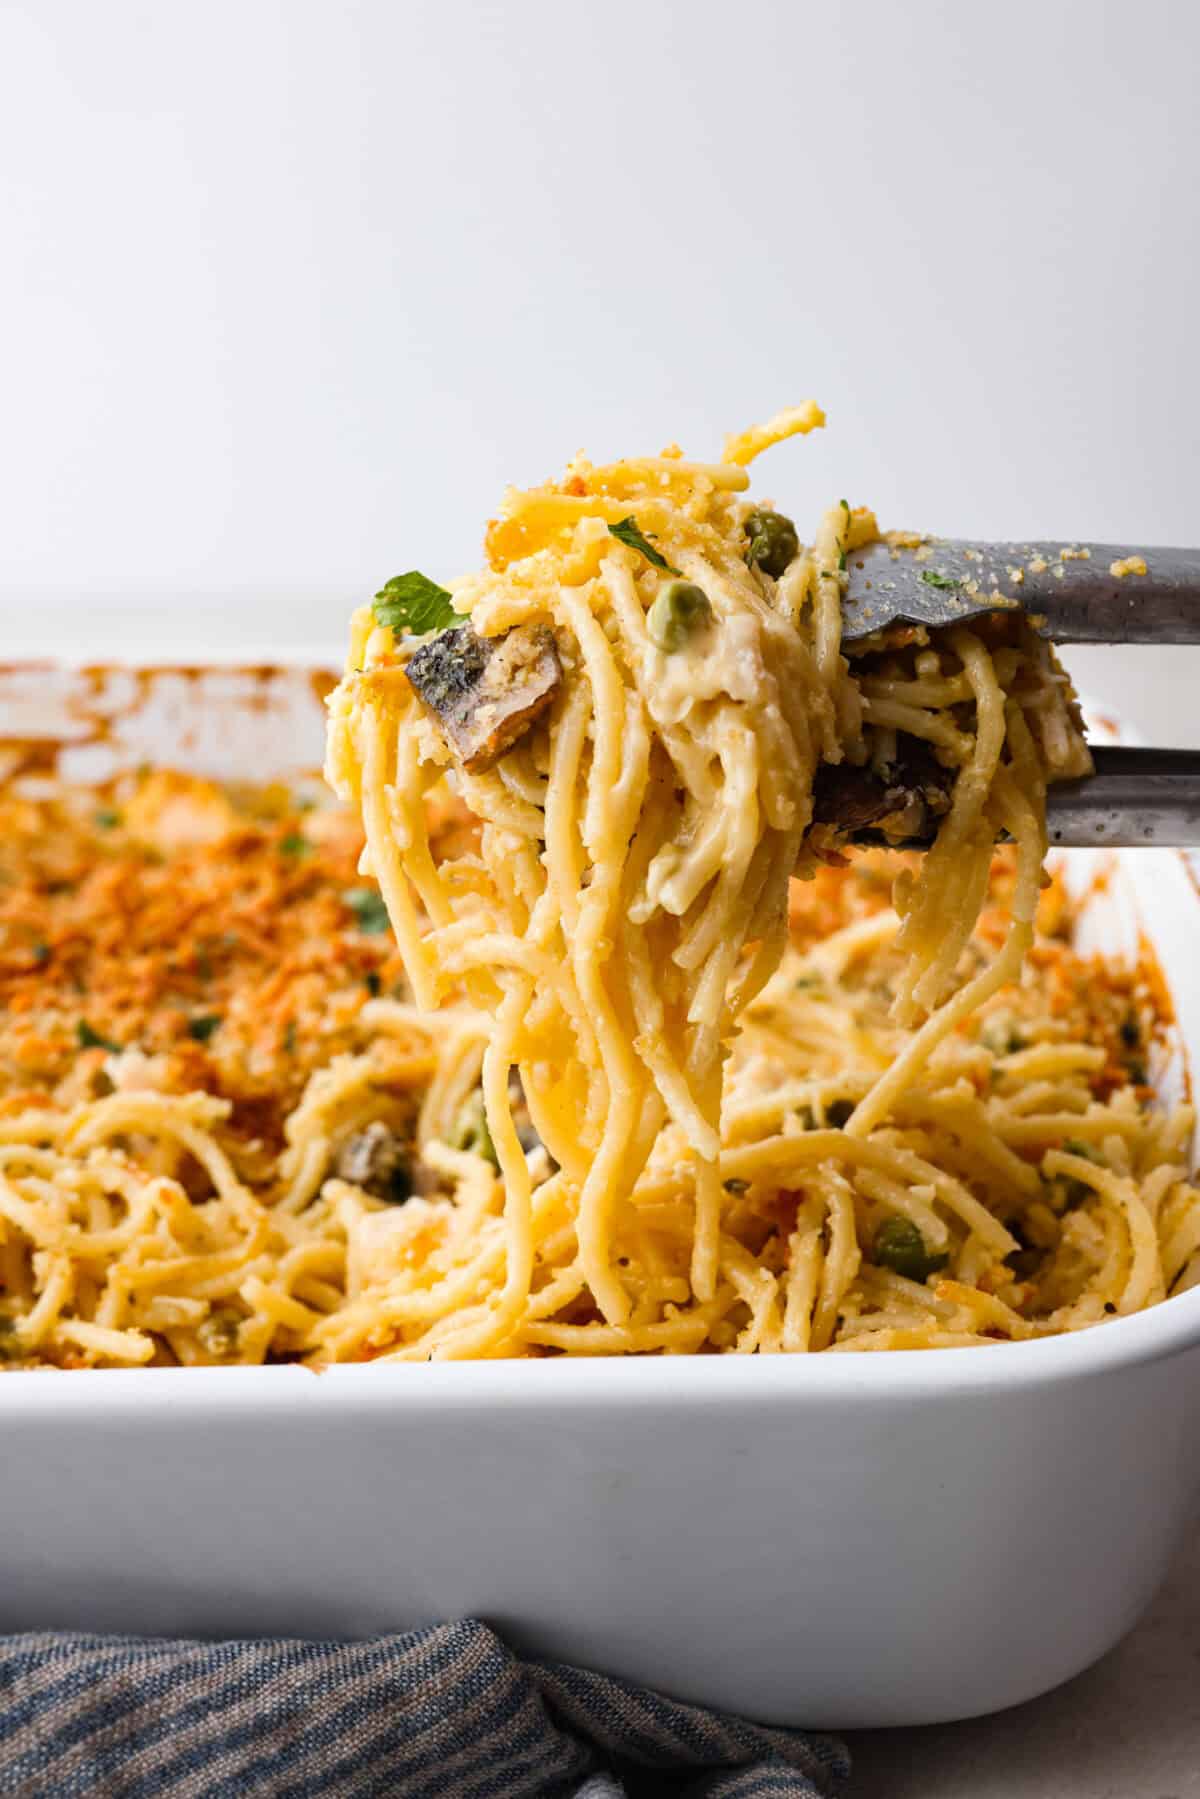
<point x="486" y="692"/>
<point x="899" y="807"/>
<point x="376" y="1160"/>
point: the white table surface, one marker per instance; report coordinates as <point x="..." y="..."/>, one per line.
<point x="1129" y="1728"/>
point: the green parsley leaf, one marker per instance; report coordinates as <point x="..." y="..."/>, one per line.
<point x="106" y="819"/>
<point x="296" y="845"/>
<point x="931" y="578"/>
<point x="289" y="1038"/>
<point x="91" y="1039"/>
<point x="626" y="531"/>
<point x="368" y="908"/>
<point x="845" y="505"/>
<point x="414" y="604"/>
<point x="203" y="1025"/>
<point x="842" y="560"/>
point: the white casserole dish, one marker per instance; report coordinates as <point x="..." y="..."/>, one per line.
<point x="834" y="1541"/>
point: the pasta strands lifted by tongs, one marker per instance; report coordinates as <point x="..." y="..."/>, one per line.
<point x="643" y="804"/>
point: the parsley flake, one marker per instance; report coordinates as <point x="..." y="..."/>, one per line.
<point x="91" y="1039"/>
<point x="201" y="1028"/>
<point x="368" y="908"/>
<point x="106" y="819"/>
<point x="931" y="578"/>
<point x="295" y="845"/>
<point x="414" y="604"/>
<point x="628" y="532"/>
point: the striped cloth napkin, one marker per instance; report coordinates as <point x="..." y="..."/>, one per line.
<point x="447" y="1712"/>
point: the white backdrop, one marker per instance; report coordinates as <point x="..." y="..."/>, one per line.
<point x="292" y="288"/>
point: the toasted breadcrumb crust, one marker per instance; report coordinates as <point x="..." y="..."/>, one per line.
<point x="169" y="920"/>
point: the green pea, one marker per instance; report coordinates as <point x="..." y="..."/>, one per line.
<point x="773" y="541"/>
<point x="1063" y="1195"/>
<point x="900" y="1246"/>
<point x="471" y="1130"/>
<point x="679" y="609"/>
<point x="219" y="1333"/>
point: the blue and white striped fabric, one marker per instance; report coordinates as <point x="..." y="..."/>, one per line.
<point x="444" y="1713"/>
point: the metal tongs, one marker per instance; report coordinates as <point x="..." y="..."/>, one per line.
<point x="1077" y="593"/>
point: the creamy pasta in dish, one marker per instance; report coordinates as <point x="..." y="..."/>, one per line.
<point x="584" y="1022"/>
